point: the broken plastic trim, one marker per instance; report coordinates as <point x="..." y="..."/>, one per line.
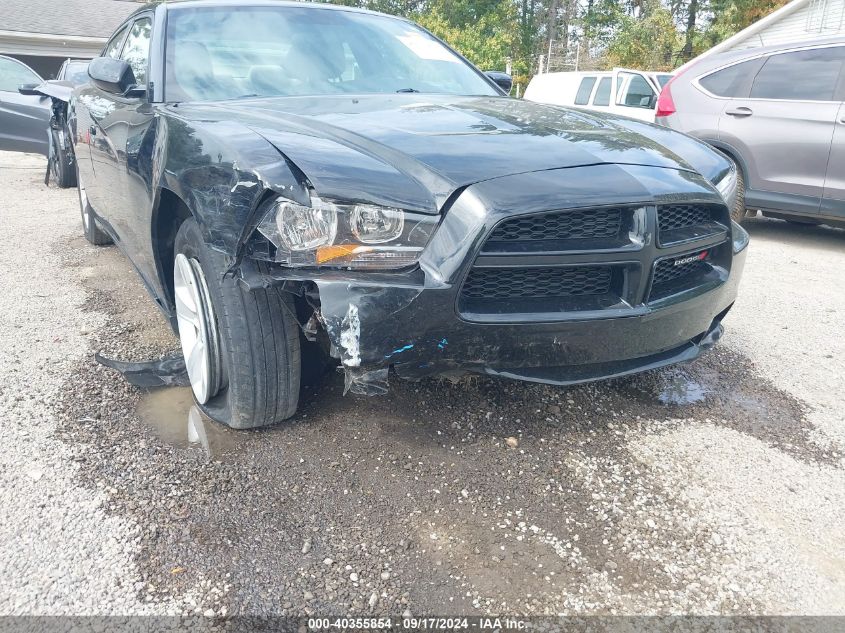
<point x="167" y="371"/>
<point x="343" y="305"/>
<point x="365" y="382"/>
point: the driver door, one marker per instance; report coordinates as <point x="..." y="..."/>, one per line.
<point x="636" y="94"/>
<point x="93" y="153"/>
<point x="784" y="128"/>
<point x="120" y="132"/>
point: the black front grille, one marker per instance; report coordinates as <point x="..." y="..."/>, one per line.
<point x="537" y="283"/>
<point x="667" y="271"/>
<point x="680" y="216"/>
<point x="579" y="263"/>
<point x="577" y="224"/>
<point x="671" y="277"/>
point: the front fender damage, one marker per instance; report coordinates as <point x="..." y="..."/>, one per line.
<point x="222" y="171"/>
<point x="353" y="312"/>
<point x="343" y="308"/>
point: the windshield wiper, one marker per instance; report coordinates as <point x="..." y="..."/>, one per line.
<point x="407" y="90"/>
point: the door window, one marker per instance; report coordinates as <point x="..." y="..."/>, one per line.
<point x="602" y="97"/>
<point x="13" y="74"/>
<point x="582" y="97"/>
<point x="802" y="75"/>
<point x="731" y="81"/>
<point x="136" y="51"/>
<point x="112" y="49"/>
<point x="663" y="79"/>
<point x="640" y="94"/>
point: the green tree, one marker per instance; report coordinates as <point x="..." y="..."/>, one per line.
<point x="485" y="32"/>
<point x="648" y="41"/>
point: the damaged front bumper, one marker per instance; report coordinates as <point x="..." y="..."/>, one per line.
<point x="373" y="326"/>
<point x="414" y="320"/>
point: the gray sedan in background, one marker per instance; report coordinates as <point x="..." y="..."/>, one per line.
<point x="778" y="112"/>
<point x="33" y="114"/>
<point x="23" y="118"/>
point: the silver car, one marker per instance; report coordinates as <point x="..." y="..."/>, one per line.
<point x="778" y="112"/>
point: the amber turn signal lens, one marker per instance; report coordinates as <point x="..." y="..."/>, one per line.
<point x="327" y="254"/>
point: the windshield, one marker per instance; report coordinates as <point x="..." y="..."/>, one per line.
<point x="222" y="53"/>
<point x="13" y="74"/>
<point x="76" y="73"/>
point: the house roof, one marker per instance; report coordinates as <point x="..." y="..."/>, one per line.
<point x="81" y="18"/>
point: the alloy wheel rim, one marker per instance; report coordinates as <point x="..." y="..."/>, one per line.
<point x="197" y="330"/>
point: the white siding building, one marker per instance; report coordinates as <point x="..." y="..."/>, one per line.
<point x="797" y="21"/>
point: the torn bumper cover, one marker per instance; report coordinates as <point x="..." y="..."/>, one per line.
<point x="420" y="323"/>
<point x="417" y="331"/>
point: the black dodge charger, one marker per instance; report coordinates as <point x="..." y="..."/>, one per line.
<point x="294" y="180"/>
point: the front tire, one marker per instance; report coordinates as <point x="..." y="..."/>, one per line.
<point x="61" y="163"/>
<point x="241" y="347"/>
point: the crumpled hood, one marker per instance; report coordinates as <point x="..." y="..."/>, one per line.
<point x="415" y="150"/>
<point x="56" y="89"/>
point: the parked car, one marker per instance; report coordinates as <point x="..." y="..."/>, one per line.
<point x="61" y="168"/>
<point x="60" y="157"/>
<point x="288" y="178"/>
<point x="23" y="117"/>
<point x="635" y="93"/>
<point x="74" y="71"/>
<point x="33" y="112"/>
<point x="778" y="112"/>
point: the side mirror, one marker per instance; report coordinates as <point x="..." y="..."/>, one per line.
<point x="29" y="90"/>
<point x="503" y="80"/>
<point x="112" y="75"/>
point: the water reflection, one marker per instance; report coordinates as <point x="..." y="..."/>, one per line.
<point x="174" y="417"/>
<point x="196" y="429"/>
<point x="670" y="388"/>
<point x="678" y="390"/>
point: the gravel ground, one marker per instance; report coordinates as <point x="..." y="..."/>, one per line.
<point x="717" y="487"/>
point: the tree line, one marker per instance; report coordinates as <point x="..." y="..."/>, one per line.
<point x="532" y="35"/>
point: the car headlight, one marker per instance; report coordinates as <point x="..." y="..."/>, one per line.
<point x="361" y="236"/>
<point x="726" y="186"/>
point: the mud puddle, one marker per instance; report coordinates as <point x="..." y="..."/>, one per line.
<point x="174" y="417"/>
<point x="669" y="388"/>
<point x="680" y="390"/>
